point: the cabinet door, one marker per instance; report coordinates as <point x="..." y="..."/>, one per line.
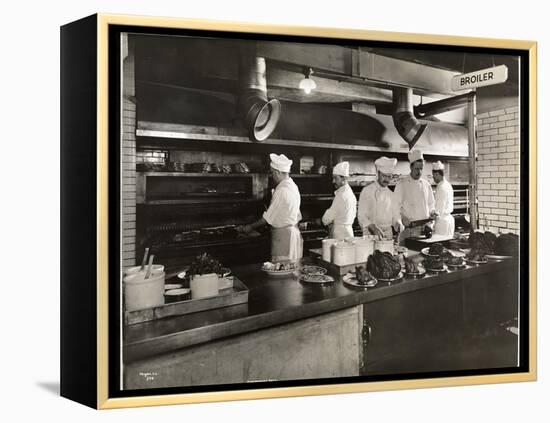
<point x="455" y="326"/>
<point x="413" y="332"/>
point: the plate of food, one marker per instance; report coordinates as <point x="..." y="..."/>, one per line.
<point x="453" y="260"/>
<point x="309" y="270"/>
<point x="435" y="250"/>
<point x="434" y="264"/>
<point x="317" y="279"/>
<point x="279" y="269"/>
<point x="414" y="269"/>
<point x="392" y="279"/>
<point x="362" y="280"/>
<point x="384" y="266"/>
<point x="497" y="257"/>
<point x="456" y="263"/>
<point x="477" y="259"/>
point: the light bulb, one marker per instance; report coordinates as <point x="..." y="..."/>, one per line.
<point x="307" y="84"/>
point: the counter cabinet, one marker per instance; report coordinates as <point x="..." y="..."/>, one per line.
<point x="444" y="323"/>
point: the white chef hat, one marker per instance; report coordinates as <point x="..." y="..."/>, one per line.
<point x="438" y="165"/>
<point x="385" y="165"/>
<point x="415" y="155"/>
<point x="341" y="169"/>
<point x="280" y="162"/>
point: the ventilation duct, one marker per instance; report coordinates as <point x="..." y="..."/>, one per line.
<point x="404" y="120"/>
<point x="260" y="115"/>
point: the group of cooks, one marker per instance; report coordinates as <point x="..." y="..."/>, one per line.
<point x="406" y="211"/>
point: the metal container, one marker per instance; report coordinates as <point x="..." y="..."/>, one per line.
<point x="140" y="293"/>
<point x="344" y="253"/>
<point x="364" y="247"/>
<point x="327" y="245"/>
<point x="384" y="245"/>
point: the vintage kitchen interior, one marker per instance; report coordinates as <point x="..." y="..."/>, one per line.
<point x="306" y="210"/>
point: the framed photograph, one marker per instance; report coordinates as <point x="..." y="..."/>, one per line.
<point x="254" y="211"/>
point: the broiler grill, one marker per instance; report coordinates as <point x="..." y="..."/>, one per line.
<point x="180" y="216"/>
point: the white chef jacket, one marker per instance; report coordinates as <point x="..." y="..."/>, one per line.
<point x="284" y="209"/>
<point x="376" y="205"/>
<point x="343" y="208"/>
<point x="444" y="195"/>
<point x="414" y="199"/>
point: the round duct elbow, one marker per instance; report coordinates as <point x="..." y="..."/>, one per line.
<point x="404" y="120"/>
<point x="260" y="115"/>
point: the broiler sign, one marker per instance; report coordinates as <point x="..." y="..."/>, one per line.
<point x="480" y="78"/>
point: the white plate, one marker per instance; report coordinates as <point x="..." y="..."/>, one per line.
<point x="279" y="272"/>
<point x="172" y="286"/>
<point x="351" y="280"/>
<point x="419" y="274"/>
<point x="477" y="261"/>
<point x="456" y="266"/>
<point x="224" y="271"/>
<point x="399" y="276"/>
<point x="497" y="257"/>
<point x="443" y="269"/>
<point x="318" y="279"/>
<point x="426" y="252"/>
<point x="309" y="270"/>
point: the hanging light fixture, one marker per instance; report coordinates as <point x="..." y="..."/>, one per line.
<point x="307" y="84"/>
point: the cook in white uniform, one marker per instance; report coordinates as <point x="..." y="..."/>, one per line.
<point x="283" y="213"/>
<point x="341" y="214"/>
<point x="377" y="212"/>
<point x="444" y="195"/>
<point x="414" y="197"/>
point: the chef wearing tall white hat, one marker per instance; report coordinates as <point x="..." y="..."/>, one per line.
<point x="283" y="213"/>
<point x="377" y="213"/>
<point x="444" y="196"/>
<point x="341" y="214"/>
<point x="414" y="198"/>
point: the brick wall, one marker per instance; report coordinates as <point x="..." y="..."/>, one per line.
<point x="128" y="159"/>
<point x="498" y="169"/>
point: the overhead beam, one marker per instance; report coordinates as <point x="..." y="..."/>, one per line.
<point x="361" y="66"/>
<point x="282" y="78"/>
<point x="442" y="106"/>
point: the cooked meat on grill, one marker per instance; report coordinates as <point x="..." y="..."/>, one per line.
<point x="507" y="245"/>
<point x="240" y="168"/>
<point x="437" y="249"/>
<point x="383" y="265"/>
<point x="214" y="168"/>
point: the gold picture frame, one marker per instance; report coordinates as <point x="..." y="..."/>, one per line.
<point x="95" y="393"/>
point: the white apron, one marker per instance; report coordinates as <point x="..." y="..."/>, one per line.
<point x="340" y="232"/>
<point x="445" y="225"/>
<point x="386" y="230"/>
<point x="286" y="244"/>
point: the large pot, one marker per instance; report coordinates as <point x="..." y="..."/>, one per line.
<point x="327" y="245"/>
<point x="344" y="253"/>
<point x="384" y="245"/>
<point x="140" y="293"/>
<point x="364" y="247"/>
<point x="204" y="285"/>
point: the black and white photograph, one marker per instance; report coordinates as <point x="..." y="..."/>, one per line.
<point x="302" y="212"/>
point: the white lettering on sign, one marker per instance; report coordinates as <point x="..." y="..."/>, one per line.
<point x="480" y="78"/>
